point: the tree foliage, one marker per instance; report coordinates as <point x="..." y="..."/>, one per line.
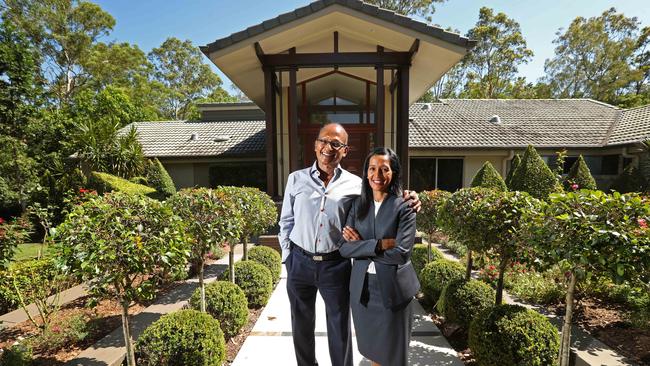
<point x="534" y="176"/>
<point x="603" y="57"/>
<point x="178" y="66"/>
<point x="488" y="177"/>
<point x="493" y="64"/>
<point x="630" y="180"/>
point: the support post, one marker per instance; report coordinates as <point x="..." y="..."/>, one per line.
<point x="403" y="122"/>
<point x="380" y="101"/>
<point x="269" y="111"/>
<point x="293" y="117"/>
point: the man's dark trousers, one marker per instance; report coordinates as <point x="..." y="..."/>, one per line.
<point x="306" y="276"/>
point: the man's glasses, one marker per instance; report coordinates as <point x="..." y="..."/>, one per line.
<point x="336" y="145"/>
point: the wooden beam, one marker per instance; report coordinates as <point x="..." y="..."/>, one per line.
<point x="414" y="48"/>
<point x="403" y="122"/>
<point x="269" y="112"/>
<point x="351" y="59"/>
<point x="293" y="117"/>
<point x="259" y="52"/>
<point x="380" y="103"/>
<point x="367" y="103"/>
<point x="336" y="42"/>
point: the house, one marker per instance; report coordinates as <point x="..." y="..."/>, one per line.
<point x="365" y="67"/>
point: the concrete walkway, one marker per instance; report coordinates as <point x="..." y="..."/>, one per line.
<point x="270" y="341"/>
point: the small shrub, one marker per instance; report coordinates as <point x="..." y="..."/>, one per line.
<point x="631" y="180"/>
<point x="513" y="166"/>
<point x="227" y="303"/>
<point x="461" y="300"/>
<point x="17" y="355"/>
<point x="513" y="335"/>
<point x="71" y="330"/>
<point x="269" y="258"/>
<point x="256" y="281"/>
<point x="488" y="177"/>
<point x="419" y="257"/>
<point x="457" y="248"/>
<point x="436" y="275"/>
<point x="185" y="337"/>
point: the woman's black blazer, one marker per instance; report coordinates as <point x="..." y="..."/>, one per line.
<point x="395" y="273"/>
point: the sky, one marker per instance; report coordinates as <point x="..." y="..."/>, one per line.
<point x="147" y="23"/>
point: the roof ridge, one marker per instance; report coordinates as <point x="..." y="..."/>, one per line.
<point x="611" y="128"/>
<point x="635" y="108"/>
<point x="603" y="103"/>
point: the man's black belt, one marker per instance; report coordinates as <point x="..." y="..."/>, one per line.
<point x="317" y="257"/>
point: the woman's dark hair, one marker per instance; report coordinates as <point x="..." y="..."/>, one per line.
<point x="395" y="186"/>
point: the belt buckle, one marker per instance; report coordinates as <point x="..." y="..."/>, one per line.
<point x="317" y="258"/>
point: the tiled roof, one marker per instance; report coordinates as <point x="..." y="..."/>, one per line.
<point x="315" y="6"/>
<point x="174" y="138"/>
<point x="465" y="123"/>
<point x="633" y="126"/>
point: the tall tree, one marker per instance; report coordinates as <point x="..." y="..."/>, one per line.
<point x="601" y="58"/>
<point x="178" y="65"/>
<point x="423" y="8"/>
<point x="64" y="31"/>
<point x="492" y="65"/>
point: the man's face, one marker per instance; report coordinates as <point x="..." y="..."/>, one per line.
<point x="329" y="156"/>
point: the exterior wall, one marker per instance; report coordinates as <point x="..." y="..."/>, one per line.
<point x="181" y="173"/>
<point x="202" y="174"/>
<point x="472" y="164"/>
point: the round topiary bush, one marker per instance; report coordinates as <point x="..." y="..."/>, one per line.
<point x="513" y="335"/>
<point x="436" y="275"/>
<point x="461" y="300"/>
<point x="269" y="258"/>
<point x="419" y="256"/>
<point x="185" y="337"/>
<point x="226" y="302"/>
<point x="256" y="281"/>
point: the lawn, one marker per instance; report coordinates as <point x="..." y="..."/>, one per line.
<point x="28" y="251"/>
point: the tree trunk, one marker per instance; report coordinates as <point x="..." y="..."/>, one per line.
<point x="565" y="342"/>
<point x="245" y="256"/>
<point x="468" y="272"/>
<point x="502" y="270"/>
<point x="130" y="353"/>
<point x="429" y="247"/>
<point x="231" y="263"/>
<point x="201" y="284"/>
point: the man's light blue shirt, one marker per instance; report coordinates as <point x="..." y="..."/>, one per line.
<point x="313" y="215"/>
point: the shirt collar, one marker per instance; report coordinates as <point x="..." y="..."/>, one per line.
<point x="313" y="171"/>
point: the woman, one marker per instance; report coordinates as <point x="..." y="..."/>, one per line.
<point x="379" y="234"/>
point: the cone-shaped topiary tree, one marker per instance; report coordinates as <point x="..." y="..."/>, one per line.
<point x="534" y="176"/>
<point x="513" y="166"/>
<point x="488" y="177"/>
<point x="579" y="177"/>
<point x="159" y="179"/>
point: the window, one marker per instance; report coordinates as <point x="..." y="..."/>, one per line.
<point x="436" y="173"/>
<point x="244" y="174"/>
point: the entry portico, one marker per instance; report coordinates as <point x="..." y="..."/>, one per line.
<point x="339" y="61"/>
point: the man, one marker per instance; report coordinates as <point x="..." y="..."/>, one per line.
<point x="316" y="201"/>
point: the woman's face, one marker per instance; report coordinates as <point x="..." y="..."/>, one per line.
<point x="379" y="173"/>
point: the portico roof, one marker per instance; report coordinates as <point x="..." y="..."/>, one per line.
<point x="361" y="27"/>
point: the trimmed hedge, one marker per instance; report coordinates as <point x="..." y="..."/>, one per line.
<point x="17" y="355"/>
<point x="513" y="335"/>
<point x="436" y="275"/>
<point x="256" y="281"/>
<point x="579" y="175"/>
<point x="104" y="182"/>
<point x="419" y="257"/>
<point x="185" y="337"/>
<point x="534" y="176"/>
<point x="159" y="179"/>
<point x="461" y="300"/>
<point x="226" y="302"/>
<point x="631" y="180"/>
<point x="269" y="258"/>
<point x="488" y="177"/>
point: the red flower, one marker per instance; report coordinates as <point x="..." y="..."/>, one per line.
<point x="642" y="223"/>
<point x="574" y="186"/>
<point x="2" y="221"/>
